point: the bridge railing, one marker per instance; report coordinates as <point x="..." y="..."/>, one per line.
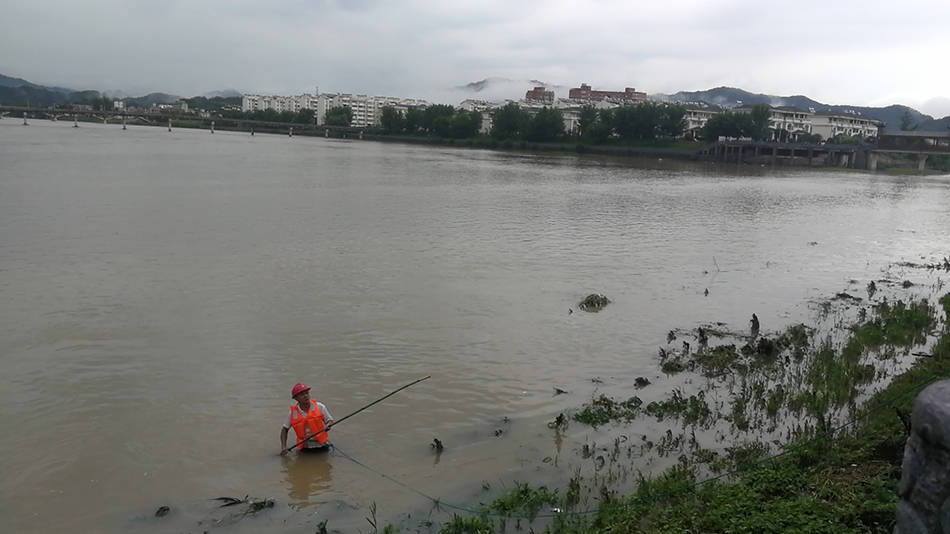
<point x="934" y="144"/>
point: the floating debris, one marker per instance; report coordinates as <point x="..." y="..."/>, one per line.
<point x="258" y="505"/>
<point x="641" y="382"/>
<point x="253" y="505"/>
<point x="558" y="422"/>
<point x="872" y="289"/>
<point x="230" y="501"/>
<point x="846" y="296"/>
<point x="499" y="432"/>
<point x="162" y="511"/>
<point x="671" y="336"/>
<point x="755" y="325"/>
<point x="812" y="243"/>
<point x="559" y="391"/>
<point x="594" y="303"/>
<point x="437" y="445"/>
<point x="701" y="334"/>
<point x="706" y="292"/>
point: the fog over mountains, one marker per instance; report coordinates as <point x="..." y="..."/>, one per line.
<point x="17" y="91"/>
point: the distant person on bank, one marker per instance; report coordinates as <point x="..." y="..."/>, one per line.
<point x="309" y="419"/>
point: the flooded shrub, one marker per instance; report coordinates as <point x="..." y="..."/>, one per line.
<point x="604" y="409"/>
<point x="671" y="367"/>
<point x="692" y="409"/>
<point x="898" y="325"/>
<point x="717" y="361"/>
<point x="794" y="338"/>
<point x="523" y="499"/>
<point x="468" y="525"/>
<point x="775" y="400"/>
<point x="594" y="303"/>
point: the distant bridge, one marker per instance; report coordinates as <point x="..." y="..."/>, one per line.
<point x="182" y="119"/>
<point x="923" y="144"/>
<point x="861" y="156"/>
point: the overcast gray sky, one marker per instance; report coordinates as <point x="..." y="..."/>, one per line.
<point x="837" y="52"/>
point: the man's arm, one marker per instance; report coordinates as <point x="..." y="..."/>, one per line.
<point x="283" y="441"/>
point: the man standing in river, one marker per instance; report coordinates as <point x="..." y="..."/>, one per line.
<point x="309" y="419"/>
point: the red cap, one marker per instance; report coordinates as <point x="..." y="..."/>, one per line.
<point x="298" y="389"/>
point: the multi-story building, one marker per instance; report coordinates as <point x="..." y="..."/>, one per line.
<point x="785" y="123"/>
<point x="831" y="125"/>
<point x="696" y="116"/>
<point x="367" y="110"/>
<point x="540" y="95"/>
<point x="628" y="96"/>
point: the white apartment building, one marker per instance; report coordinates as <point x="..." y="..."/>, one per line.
<point x="278" y="103"/>
<point x="696" y="117"/>
<point x="829" y="126"/>
<point x="785" y="123"/>
<point x="367" y="110"/>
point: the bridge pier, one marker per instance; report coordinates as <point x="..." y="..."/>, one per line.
<point x="212" y="126"/>
<point x="24" y="120"/>
<point x="921" y="162"/>
<point x="169" y="125"/>
<point x="326" y="133"/>
<point x="123" y="122"/>
<point x="872" y="161"/>
<point x="290" y="133"/>
<point x="75" y="121"/>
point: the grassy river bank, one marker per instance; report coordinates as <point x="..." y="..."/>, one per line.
<point x="810" y="438"/>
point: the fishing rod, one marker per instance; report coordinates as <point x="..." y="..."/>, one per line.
<point x="345" y="417"/>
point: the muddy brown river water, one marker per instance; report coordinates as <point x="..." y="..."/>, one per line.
<point x="162" y="292"/>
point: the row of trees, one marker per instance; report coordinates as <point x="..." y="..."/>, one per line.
<point x="647" y="121"/>
<point x="338" y="116"/>
<point x="737" y="124"/>
<point x="438" y="119"/>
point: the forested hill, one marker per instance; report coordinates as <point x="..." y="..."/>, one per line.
<point x="730" y="97"/>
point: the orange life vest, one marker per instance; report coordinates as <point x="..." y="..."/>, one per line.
<point x="313" y="420"/>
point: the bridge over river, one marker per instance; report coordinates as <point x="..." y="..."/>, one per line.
<point x="178" y="119"/>
<point x="861" y="156"/>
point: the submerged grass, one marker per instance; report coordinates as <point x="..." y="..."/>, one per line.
<point x="604" y="409"/>
<point x="828" y="477"/>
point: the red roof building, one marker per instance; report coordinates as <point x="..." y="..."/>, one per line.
<point x="540" y="94"/>
<point x="584" y="92"/>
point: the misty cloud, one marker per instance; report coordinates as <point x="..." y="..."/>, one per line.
<point x="848" y="52"/>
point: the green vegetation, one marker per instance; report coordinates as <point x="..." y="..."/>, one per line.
<point x="523" y="500"/>
<point x="594" y="303"/>
<point x="217" y="103"/>
<point x="604" y="409"/>
<point x="824" y="479"/>
<point x="339" y="116"/>
<point x="437" y="120"/>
